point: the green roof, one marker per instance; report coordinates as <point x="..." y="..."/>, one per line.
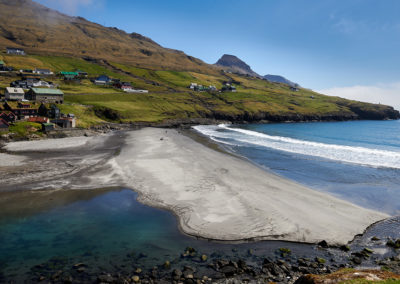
<point x="48" y="124"/>
<point x="47" y="91"/>
<point x="2" y="62"/>
<point x="69" y="73"/>
<point x="68" y="76"/>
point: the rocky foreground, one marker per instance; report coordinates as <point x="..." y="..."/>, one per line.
<point x="195" y="267"/>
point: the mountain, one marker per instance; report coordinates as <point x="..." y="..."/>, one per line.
<point x="279" y="79"/>
<point x="36" y="28"/>
<point x="62" y="43"/>
<point x="231" y="63"/>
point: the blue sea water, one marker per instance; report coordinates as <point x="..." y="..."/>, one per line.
<point x="358" y="161"/>
<point x="107" y="230"/>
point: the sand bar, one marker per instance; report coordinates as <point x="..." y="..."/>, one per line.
<point x="223" y="197"/>
<point x="214" y="195"/>
<point x="50" y="144"/>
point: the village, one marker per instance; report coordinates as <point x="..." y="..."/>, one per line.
<point x="36" y="100"/>
<point x="34" y="97"/>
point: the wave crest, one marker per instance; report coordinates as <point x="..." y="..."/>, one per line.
<point x="342" y="153"/>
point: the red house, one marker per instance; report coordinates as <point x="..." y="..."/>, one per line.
<point x="8" y="116"/>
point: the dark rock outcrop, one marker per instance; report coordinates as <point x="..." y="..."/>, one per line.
<point x="233" y="64"/>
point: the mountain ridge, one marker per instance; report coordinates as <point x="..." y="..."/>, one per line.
<point x="279" y="79"/>
<point x="231" y="63"/>
<point x="41" y="30"/>
<point x="61" y="43"/>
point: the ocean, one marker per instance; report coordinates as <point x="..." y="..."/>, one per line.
<point x="358" y="161"/>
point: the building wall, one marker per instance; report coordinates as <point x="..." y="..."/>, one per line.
<point x="14" y="97"/>
<point x="46" y="98"/>
<point x="18" y="52"/>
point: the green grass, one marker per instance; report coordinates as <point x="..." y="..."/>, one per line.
<point x="169" y="97"/>
<point x="24" y="128"/>
<point x="175" y="78"/>
<point x="85" y="114"/>
<point x="142" y="107"/>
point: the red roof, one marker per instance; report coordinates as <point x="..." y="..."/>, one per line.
<point x="38" y="119"/>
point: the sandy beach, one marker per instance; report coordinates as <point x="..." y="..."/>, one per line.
<point x="214" y="195"/>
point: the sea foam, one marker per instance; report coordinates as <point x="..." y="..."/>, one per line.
<point x="347" y="154"/>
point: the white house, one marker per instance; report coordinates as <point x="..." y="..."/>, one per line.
<point x="43" y="84"/>
<point x="14" y="94"/>
<point x="17" y="51"/>
<point x="42" y="71"/>
<point x="136" y="91"/>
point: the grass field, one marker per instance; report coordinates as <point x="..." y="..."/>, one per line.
<point x="169" y="96"/>
<point x="23" y="128"/>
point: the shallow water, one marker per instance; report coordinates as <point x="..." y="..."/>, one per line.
<point x="104" y="229"/>
<point x="358" y="161"/>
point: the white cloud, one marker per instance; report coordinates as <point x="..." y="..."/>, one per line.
<point x="388" y="94"/>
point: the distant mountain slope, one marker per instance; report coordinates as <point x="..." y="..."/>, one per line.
<point x="233" y="64"/>
<point x="279" y="79"/>
<point x="34" y="27"/>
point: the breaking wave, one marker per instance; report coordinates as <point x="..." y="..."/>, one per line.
<point x="342" y="153"/>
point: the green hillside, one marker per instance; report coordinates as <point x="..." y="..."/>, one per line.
<point x="169" y="97"/>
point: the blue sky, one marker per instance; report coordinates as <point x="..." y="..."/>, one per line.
<point x="323" y="45"/>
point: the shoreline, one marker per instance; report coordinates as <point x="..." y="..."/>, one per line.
<point x="186" y="225"/>
<point x="112" y="172"/>
<point x="172" y="124"/>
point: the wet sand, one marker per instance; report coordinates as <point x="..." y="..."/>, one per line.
<point x="214" y="195"/>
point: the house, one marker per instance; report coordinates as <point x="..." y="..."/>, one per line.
<point x="4" y="125"/>
<point x="294" y="89"/>
<point x="123" y="85"/>
<point x="42" y="71"/>
<point x="39" y="119"/>
<point x="16" y="51"/>
<point x="14" y="94"/>
<point x="2" y="63"/>
<point x="81" y="73"/>
<point x="47" y="127"/>
<point x="65" y="122"/>
<point x="228" y="87"/>
<point x="54" y="112"/>
<point x="6" y="68"/>
<point x="8" y="116"/>
<point x="22" y="111"/>
<point x="45" y="95"/>
<point x="22" y="105"/>
<point x="41" y="83"/>
<point x="24" y="84"/>
<point x="193" y="86"/>
<point x="136" y="91"/>
<point x="68" y="76"/>
<point x="102" y="80"/>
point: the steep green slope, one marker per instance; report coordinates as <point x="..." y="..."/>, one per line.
<point x="170" y="99"/>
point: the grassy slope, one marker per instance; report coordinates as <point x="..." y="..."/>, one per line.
<point x="169" y="97"/>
